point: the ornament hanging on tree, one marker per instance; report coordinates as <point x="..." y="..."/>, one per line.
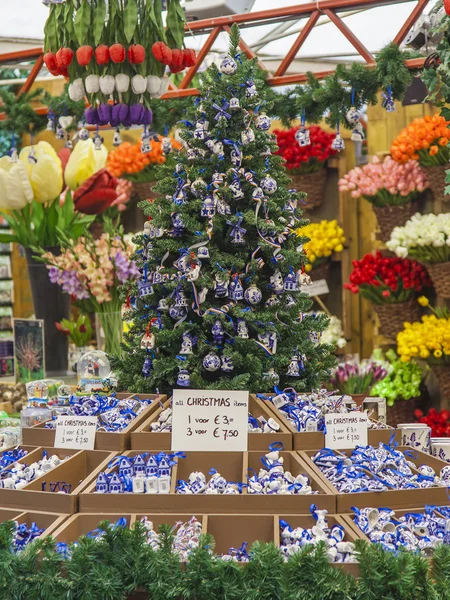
<point x="236" y="291"/>
<point x="188" y="342"/>
<point x="163" y="305"/>
<point x="166" y="145"/>
<point x="257" y="194"/>
<point x="228" y="65"/>
<point x="183" y="379"/>
<point x="358" y="133"/>
<point x="217" y="179"/>
<point x="147" y="367"/>
<point x="276" y="282"/>
<point x="236" y="158"/>
<point x="294" y="367"/>
<point x="198" y="187"/>
<point x="268" y="185"/>
<point x="98" y="141"/>
<point x="178" y="225"/>
<point x="251" y="90"/>
<point x="263" y="122"/>
<point x="388" y="100"/>
<point x="208" y="207"/>
<point x="253" y="295"/>
<point x="269" y="340"/>
<point x="302" y="136"/>
<point x="145" y="288"/>
<point x="242" y="329"/>
<point x="180" y="299"/>
<point x="227" y="364"/>
<point x="352" y="116"/>
<point x="148" y="341"/>
<point x="220" y="287"/>
<point x="218" y="333"/>
<point x="83" y="134"/>
<point x="236" y="189"/>
<point x="211" y="362"/>
<point x="338" y="143"/>
<point x="247" y="136"/>
<point x="290" y="282"/>
<point x="272" y="301"/>
<point x="235" y="104"/>
<point x="237" y="232"/>
<point x="177" y="312"/>
<point x="203" y="252"/>
<point x="117" y="140"/>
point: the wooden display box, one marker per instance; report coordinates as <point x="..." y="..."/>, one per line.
<point x="309" y="440"/>
<point x="104" y="440"/>
<point x="31" y="450"/>
<point x="234" y="467"/>
<point x="395" y="499"/>
<point x="144" y="439"/>
<point x="47" y="521"/>
<point x="79" y="470"/>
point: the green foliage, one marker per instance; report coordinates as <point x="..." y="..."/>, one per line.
<point x="271" y="220"/>
<point x="62" y="105"/>
<point x="79" y="331"/>
<point x="437" y="79"/>
<point x="121" y="562"/>
<point x="20" y="116"/>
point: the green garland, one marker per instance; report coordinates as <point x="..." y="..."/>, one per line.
<point x="62" y="105"/>
<point x="121" y="562"/>
<point x="20" y="116"/>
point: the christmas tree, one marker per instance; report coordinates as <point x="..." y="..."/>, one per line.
<point x="218" y="304"/>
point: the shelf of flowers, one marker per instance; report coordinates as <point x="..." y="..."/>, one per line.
<point x="43" y="434"/>
<point x="156" y="431"/>
<point x="207" y="482"/>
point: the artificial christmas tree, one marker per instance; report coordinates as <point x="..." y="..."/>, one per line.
<point x="218" y="304"/>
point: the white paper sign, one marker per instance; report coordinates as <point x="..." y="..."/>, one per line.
<point x="316" y="288"/>
<point x="77" y="433"/>
<point x="204" y="420"/>
<point x="346" y="430"/>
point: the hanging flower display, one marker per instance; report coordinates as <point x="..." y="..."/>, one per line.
<point x="116" y="51"/>
<point x="325" y="238"/>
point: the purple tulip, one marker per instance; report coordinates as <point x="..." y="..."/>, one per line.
<point x="115" y="115"/>
<point x="147" y="117"/>
<point x="124" y="111"/>
<point x="91" y="116"/>
<point x="104" y="114"/>
<point x="136" y="113"/>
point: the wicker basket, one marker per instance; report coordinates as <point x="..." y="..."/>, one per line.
<point x="322" y="271"/>
<point x="144" y="190"/>
<point x="402" y="411"/>
<point x="440" y="274"/>
<point x="392" y="316"/>
<point x="436" y="177"/>
<point x="442" y="374"/>
<point x="313" y="184"/>
<point x="389" y="217"/>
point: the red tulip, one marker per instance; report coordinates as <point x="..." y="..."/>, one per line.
<point x="162" y="53"/>
<point x="60" y="328"/>
<point x="96" y="194"/>
<point x="447" y="6"/>
<point x="50" y="63"/>
<point x="136" y="54"/>
<point x="117" y="53"/>
<point x="189" y="57"/>
<point x="64" y="57"/>
<point x="176" y="64"/>
<point x="102" y="55"/>
<point x="84" y="55"/>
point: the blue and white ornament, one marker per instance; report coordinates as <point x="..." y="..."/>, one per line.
<point x="178" y="224"/>
<point x="234" y="104"/>
<point x="177" y="312"/>
<point x="338" y="143"/>
<point x="352" y="116"/>
<point x="247" y="136"/>
<point x="251" y="90"/>
<point x="294" y="367"/>
<point x="236" y="158"/>
<point x="358" y="133"/>
<point x="291" y="282"/>
<point x="302" y="136"/>
<point x="263" y="122"/>
<point x="227" y="364"/>
<point x="268" y="185"/>
<point x="203" y="252"/>
<point x="208" y="207"/>
<point x="183" y="379"/>
<point x="218" y="332"/>
<point x="235" y="290"/>
<point x="242" y="329"/>
<point x="228" y="65"/>
<point x="220" y="287"/>
<point x="211" y="362"/>
<point x="147" y="367"/>
<point x="253" y="295"/>
<point x="198" y="187"/>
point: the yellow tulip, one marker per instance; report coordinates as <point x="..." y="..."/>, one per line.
<point x="44" y="171"/>
<point x="423" y="301"/>
<point x="84" y="161"/>
<point x="15" y="187"/>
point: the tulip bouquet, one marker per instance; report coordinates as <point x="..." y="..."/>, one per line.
<point x="438" y="421"/>
<point x="333" y="334"/>
<point x="401" y="383"/>
<point x="305" y="159"/>
<point x="358" y="377"/>
<point x="424" y="140"/>
<point x="79" y="332"/>
<point x="325" y="238"/>
<point x="128" y="161"/>
<point x="29" y="191"/>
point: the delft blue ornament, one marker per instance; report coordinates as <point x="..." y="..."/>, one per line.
<point x="352" y="116"/>
<point x="210" y="145"/>
<point x="146" y="145"/>
<point x="220" y="287"/>
<point x="151" y="468"/>
<point x="294" y="368"/>
<point x="247" y="136"/>
<point x="269" y="339"/>
<point x="251" y="90"/>
<point x="60" y="133"/>
<point x="257" y="194"/>
<point x="203" y="252"/>
<point x="184" y="379"/>
<point x="217" y="179"/>
<point x="272" y="377"/>
<point x="227" y="364"/>
<point x="218" y="332"/>
<point x="235" y="290"/>
<point x="145" y="288"/>
<point x="198" y="187"/>
<point x="263" y="122"/>
<point x="234" y="104"/>
<point x="242" y="329"/>
<point x="268" y="185"/>
<point x="272" y="301"/>
<point x="178" y="225"/>
<point x="303" y="137"/>
<point x="228" y="65"/>
<point x="218" y="149"/>
<point x="139" y="465"/>
<point x="253" y="295"/>
<point x="267" y="151"/>
<point x="290" y="301"/>
<point x="211" y="362"/>
<point x="236" y="189"/>
<point x="208" y="207"/>
<point x="166" y="145"/>
<point x="177" y="312"/>
<point x="117" y="140"/>
<point x="102" y="483"/>
<point x="358" y="133"/>
<point x="147" y="367"/>
<point x="83" y="134"/>
<point x="338" y="143"/>
<point x="276" y="282"/>
<point x="388" y="100"/>
<point x="236" y="158"/>
<point x="163" y="305"/>
<point x="115" y="484"/>
<point x="192" y="154"/>
<point x="187" y="343"/>
<point x="202" y="124"/>
<point x="180" y="299"/>
<point x="222" y="207"/>
<point x="291" y="282"/>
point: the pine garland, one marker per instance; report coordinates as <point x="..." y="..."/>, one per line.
<point x="121" y="562"/>
<point x="20" y="116"/>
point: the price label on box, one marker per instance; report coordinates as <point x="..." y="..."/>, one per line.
<point x="77" y="433"/>
<point x="316" y="288"/>
<point x="346" y="430"/>
<point x="215" y="421"/>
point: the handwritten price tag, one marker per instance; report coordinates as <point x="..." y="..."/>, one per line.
<point x="209" y="420"/>
<point x="316" y="288"/>
<point x="346" y="430"/>
<point x="77" y="433"/>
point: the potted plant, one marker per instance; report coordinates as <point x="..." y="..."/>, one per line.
<point x="129" y="162"/>
<point x="392" y="188"/>
<point x="427" y="239"/>
<point x="356" y="379"/>
<point x="429" y="340"/>
<point x="306" y="164"/>
<point x="324" y="238"/>
<point x="401" y="388"/>
<point x="426" y="140"/>
<point x="79" y="333"/>
<point x="391" y="285"/>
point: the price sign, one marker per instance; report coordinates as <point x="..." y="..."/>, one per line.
<point x="214" y="421"/>
<point x="346" y="430"/>
<point x="77" y="433"/>
<point x="316" y="288"/>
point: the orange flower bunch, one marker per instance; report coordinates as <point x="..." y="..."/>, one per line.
<point x="129" y="162"/>
<point x="424" y="140"/>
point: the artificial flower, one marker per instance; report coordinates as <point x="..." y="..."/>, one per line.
<point x="44" y="171"/>
<point x="424" y="338"/>
<point x="16" y="191"/>
<point x="84" y="161"/>
<point x="425" y="237"/>
<point x="325" y="238"/>
<point x="305" y="159"/>
<point x="425" y="140"/>
<point x="358" y="377"/>
<point x="96" y="194"/>
<point x="439" y="422"/>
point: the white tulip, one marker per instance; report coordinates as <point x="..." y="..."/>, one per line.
<point x="153" y="85"/>
<point x="122" y="83"/>
<point x="107" y="84"/>
<point x="92" y="84"/>
<point x="76" y="90"/>
<point x="139" y="84"/>
<point x="164" y="85"/>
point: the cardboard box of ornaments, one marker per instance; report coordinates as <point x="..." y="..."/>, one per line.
<point x="142" y="438"/>
<point x="229" y="531"/>
<point x="104" y="440"/>
<point x="234" y="467"/>
<point x="49" y="522"/>
<point x="394" y="499"/>
<point x="308" y="440"/>
<point x="77" y="471"/>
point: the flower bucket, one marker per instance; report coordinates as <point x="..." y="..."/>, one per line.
<point x="393" y="315"/>
<point x="436" y="177"/>
<point x="442" y="374"/>
<point x="389" y="217"/>
<point x="440" y="274"/>
<point x="402" y="411"/>
<point x="322" y="271"/>
<point x="313" y="184"/>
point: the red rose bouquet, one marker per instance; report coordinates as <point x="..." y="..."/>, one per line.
<point x="305" y="159"/>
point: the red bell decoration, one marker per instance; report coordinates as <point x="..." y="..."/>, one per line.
<point x="117" y="53"/>
<point x="102" y="55"/>
<point x="50" y="63"/>
<point x="136" y="54"/>
<point x="64" y="57"/>
<point x="189" y="57"/>
<point x="162" y="53"/>
<point x="84" y="55"/>
<point x="176" y="64"/>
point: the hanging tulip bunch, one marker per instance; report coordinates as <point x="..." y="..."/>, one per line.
<point x="115" y="53"/>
